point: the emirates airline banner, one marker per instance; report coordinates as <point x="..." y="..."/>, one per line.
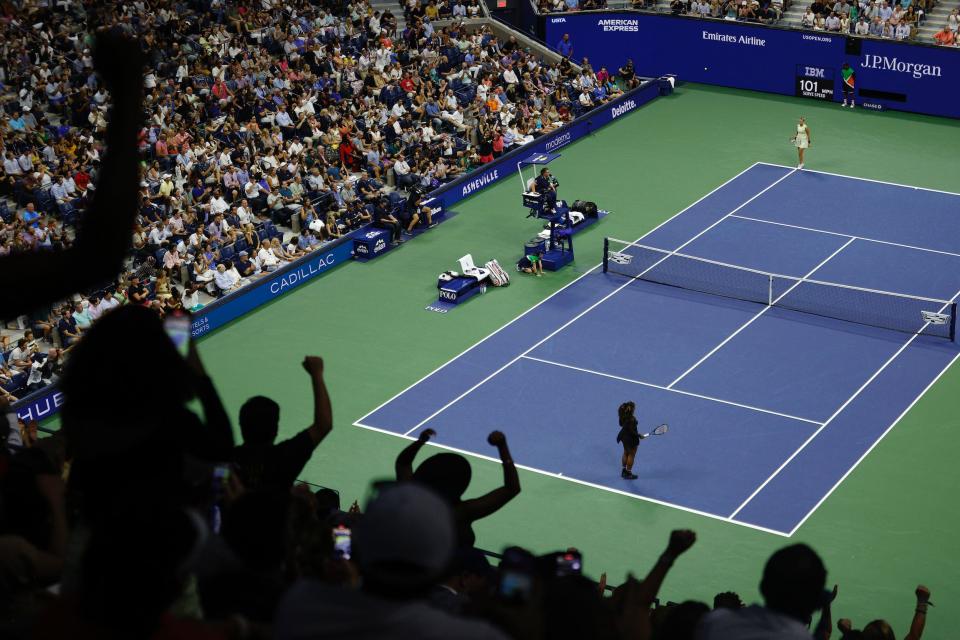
<point x="888" y="74"/>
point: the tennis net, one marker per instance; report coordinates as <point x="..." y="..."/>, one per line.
<point x="884" y="309"/>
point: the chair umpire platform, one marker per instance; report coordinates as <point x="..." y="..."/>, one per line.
<point x="556" y="242"/>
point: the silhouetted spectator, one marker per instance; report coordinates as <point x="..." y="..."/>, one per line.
<point x="127" y="449"/>
<point x="449" y="475"/>
<point x="403" y="546"/>
<point x="263" y="464"/>
<point x="793" y="589"/>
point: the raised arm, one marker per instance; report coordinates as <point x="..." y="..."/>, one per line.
<point x="217" y="440"/>
<point x="104" y="235"/>
<point x="825" y="625"/>
<point x="920" y="613"/>
<point x="404" y="463"/>
<point x="322" y="411"/>
<point x="680" y="541"/>
<point x="477" y="508"/>
<point x="632" y="600"/>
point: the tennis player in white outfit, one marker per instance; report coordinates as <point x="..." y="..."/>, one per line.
<point x="802" y="140"/>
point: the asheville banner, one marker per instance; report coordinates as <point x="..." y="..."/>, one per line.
<point x="506" y="166"/>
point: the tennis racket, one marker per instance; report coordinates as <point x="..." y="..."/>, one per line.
<point x="659" y="431"/>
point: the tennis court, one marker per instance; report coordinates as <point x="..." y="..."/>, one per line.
<point x="769" y="407"/>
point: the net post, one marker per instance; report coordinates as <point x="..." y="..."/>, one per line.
<point x="953" y="322"/>
<point x="770" y="290"/>
<point x="606" y="253"/>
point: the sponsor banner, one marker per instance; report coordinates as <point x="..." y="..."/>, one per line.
<point x="265" y="290"/>
<point x="506" y="166"/>
<point x="889" y="74"/>
<point x="815" y="82"/>
<point x="47" y="401"/>
<point x="40" y="405"/>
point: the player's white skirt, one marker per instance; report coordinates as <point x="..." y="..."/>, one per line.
<point x="802" y="142"/>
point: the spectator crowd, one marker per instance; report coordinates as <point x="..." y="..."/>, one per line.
<point x="874" y="18"/>
<point x="759" y="11"/>
<point x="271" y="128"/>
<point x="156" y="524"/>
<point x="949" y="35"/>
<point x="143" y="517"/>
<point x="891" y="19"/>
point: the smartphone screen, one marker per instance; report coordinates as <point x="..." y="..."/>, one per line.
<point x="178" y="330"/>
<point x="341" y="542"/>
<point x="220" y="476"/>
<point x="568" y="564"/>
<point x="515" y="586"/>
<point x="517" y="569"/>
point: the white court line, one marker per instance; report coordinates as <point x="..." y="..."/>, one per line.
<point x="759" y="313"/>
<point x="837" y="412"/>
<point x="595" y="305"/>
<point x="847" y="235"/>
<point x="584" y="483"/>
<point x="875" y="443"/>
<point x="555" y="293"/>
<point x="840" y="175"/>
<point x="680" y="391"/>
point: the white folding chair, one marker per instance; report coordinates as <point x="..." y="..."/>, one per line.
<point x="469" y="269"/>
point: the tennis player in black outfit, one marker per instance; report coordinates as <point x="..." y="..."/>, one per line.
<point x="629" y="437"/>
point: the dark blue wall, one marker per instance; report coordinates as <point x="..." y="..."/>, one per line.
<point x="889" y="75"/>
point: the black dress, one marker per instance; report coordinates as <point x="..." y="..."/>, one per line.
<point x="629" y="436"/>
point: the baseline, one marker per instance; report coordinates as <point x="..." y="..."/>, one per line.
<point x="592" y="485"/>
<point x="841" y="175"/>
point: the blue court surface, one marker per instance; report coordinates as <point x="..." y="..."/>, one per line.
<point x="769" y="408"/>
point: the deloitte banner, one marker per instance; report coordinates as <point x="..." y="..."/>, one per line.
<point x="47" y="401"/>
<point x="889" y="74"/>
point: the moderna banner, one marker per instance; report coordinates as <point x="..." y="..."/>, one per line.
<point x="506" y="166"/>
<point x="889" y="74"/>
